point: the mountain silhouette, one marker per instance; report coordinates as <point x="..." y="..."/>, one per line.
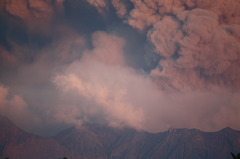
<point x="93" y="141"/>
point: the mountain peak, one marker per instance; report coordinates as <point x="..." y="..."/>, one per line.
<point x="228" y="130"/>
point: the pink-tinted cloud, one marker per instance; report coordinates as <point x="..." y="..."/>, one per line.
<point x="14" y="107"/>
<point x="122" y="96"/>
<point x="120" y="7"/>
<point x="147" y="12"/>
<point x="36" y="15"/>
<point x="199" y="52"/>
<point x="101" y="5"/>
<point x="101" y="77"/>
<point x="107" y="49"/>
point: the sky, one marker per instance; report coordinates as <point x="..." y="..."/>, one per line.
<point x="150" y="65"/>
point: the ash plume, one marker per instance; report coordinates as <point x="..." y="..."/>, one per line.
<point x="150" y="64"/>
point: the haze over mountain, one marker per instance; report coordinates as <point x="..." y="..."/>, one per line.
<point x="96" y="142"/>
<point x="18" y="144"/>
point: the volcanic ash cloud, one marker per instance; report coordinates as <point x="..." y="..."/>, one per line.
<point x="197" y="50"/>
<point x="100" y="85"/>
<point x="102" y="79"/>
<point x="192" y="48"/>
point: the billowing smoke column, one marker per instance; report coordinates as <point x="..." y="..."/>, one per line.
<point x="197" y="40"/>
<point x="82" y="71"/>
<point x="199" y="50"/>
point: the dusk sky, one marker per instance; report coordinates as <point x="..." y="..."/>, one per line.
<point x="145" y="64"/>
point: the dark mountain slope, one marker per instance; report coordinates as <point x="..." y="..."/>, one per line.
<point x="17" y="144"/>
<point x="101" y="142"/>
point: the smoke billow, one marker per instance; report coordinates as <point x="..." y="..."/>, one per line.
<point x="71" y="62"/>
<point x="197" y="40"/>
<point x="127" y="97"/>
<point x="196" y="44"/>
<point x="101" y="78"/>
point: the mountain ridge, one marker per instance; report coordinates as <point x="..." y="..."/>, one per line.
<point x="102" y="142"/>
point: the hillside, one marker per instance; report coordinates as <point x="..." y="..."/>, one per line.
<point x="17" y="144"/>
<point x="101" y="142"/>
